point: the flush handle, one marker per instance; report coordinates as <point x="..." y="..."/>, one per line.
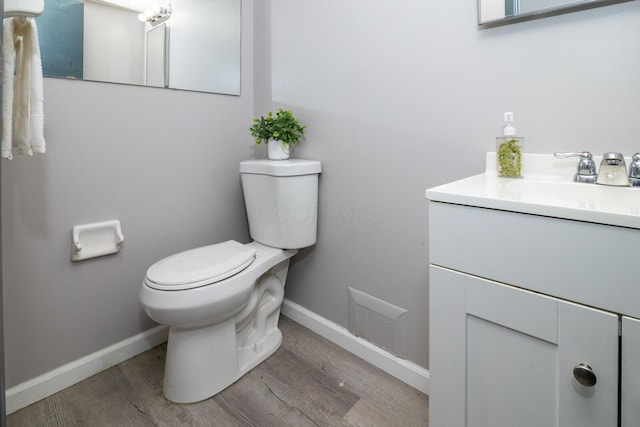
<point x="585" y="375"/>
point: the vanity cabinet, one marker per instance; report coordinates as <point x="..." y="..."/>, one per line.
<point x="526" y="313"/>
<point x="630" y="372"/>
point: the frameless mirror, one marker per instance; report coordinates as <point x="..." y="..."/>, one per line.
<point x="177" y="44"/>
<point x="492" y="13"/>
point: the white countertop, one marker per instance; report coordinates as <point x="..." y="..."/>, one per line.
<point x="547" y="189"/>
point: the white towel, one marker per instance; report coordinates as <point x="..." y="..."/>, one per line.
<point x="22" y="97"/>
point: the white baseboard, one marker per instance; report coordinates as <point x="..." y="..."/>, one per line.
<point x="45" y="385"/>
<point x="24" y="394"/>
<point x="404" y="370"/>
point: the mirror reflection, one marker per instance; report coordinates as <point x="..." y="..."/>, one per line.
<point x="492" y="13"/>
<point x="184" y="44"/>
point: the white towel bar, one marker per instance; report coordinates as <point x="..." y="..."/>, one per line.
<point x="14" y="8"/>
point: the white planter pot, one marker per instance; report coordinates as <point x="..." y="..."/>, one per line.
<point x="276" y="150"/>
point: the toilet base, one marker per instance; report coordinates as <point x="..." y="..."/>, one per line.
<point x="198" y="362"/>
<point x="197" y="369"/>
<point x="250" y="357"/>
<point x="202" y="362"/>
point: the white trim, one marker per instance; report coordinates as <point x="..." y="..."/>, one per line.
<point x="51" y="382"/>
<point x="404" y="370"/>
<point x="35" y="389"/>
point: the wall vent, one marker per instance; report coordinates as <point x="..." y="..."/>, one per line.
<point x="378" y="321"/>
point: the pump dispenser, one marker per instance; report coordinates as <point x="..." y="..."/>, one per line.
<point x="509" y="150"/>
<point x="508" y="129"/>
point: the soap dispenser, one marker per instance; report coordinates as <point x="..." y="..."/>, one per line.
<point x="509" y="150"/>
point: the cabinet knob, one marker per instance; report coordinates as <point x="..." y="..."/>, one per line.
<point x="584" y="375"/>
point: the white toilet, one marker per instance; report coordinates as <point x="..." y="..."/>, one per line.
<point x="222" y="301"/>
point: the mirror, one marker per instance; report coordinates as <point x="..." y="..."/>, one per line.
<point x="492" y="13"/>
<point x="185" y="44"/>
<point x="157" y="52"/>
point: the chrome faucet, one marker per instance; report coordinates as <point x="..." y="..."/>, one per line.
<point x="634" y="170"/>
<point x="613" y="170"/>
<point x="586" y="166"/>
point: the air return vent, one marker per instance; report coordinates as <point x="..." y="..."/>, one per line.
<point x="379" y="322"/>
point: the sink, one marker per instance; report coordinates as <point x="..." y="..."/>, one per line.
<point x="546" y="189"/>
<point x="625" y="200"/>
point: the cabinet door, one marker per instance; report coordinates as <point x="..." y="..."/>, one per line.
<point x="503" y="356"/>
<point x="630" y="376"/>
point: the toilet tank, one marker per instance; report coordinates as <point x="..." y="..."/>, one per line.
<point x="281" y="197"/>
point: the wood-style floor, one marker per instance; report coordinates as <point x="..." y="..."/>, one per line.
<point x="309" y="381"/>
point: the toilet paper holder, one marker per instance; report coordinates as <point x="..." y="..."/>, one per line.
<point x="96" y="239"/>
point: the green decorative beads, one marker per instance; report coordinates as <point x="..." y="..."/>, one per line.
<point x="510" y="157"/>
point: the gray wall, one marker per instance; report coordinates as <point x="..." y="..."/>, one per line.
<point x="397" y="98"/>
<point x="407" y="94"/>
<point x="164" y="162"/>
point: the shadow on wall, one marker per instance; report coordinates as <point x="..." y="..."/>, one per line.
<point x="30" y="203"/>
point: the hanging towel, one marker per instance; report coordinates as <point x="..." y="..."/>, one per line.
<point x="22" y="98"/>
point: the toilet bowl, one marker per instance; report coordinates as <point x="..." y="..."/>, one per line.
<point x="218" y="330"/>
<point x="222" y="301"/>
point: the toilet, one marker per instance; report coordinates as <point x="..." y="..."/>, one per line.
<point x="222" y="301"/>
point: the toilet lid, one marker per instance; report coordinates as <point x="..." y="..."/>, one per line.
<point x="200" y="266"/>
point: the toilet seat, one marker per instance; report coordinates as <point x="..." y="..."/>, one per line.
<point x="200" y="266"/>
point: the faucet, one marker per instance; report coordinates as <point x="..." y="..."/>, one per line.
<point x="613" y="170"/>
<point x="634" y="171"/>
<point x="586" y="166"/>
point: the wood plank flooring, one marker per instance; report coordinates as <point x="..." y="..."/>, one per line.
<point x="309" y="381"/>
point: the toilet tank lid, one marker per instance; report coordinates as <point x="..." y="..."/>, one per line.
<point x="200" y="266"/>
<point x="290" y="167"/>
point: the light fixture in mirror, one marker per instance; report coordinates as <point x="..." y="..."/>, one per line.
<point x="156" y="15"/>
<point x="493" y="13"/>
<point x="105" y="40"/>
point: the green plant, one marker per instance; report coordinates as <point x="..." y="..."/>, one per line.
<point x="510" y="158"/>
<point x="281" y="127"/>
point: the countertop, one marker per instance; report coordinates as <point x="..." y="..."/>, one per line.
<point x="547" y="188"/>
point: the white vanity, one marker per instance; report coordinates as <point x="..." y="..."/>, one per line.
<point x="534" y="300"/>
